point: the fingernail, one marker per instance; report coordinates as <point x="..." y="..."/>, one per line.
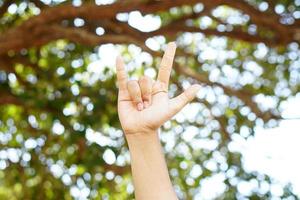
<point x="140" y="106"/>
<point x="146" y="104"/>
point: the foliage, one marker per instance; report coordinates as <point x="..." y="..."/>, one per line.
<point x="60" y="135"/>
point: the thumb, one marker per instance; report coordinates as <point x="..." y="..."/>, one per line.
<point x="177" y="103"/>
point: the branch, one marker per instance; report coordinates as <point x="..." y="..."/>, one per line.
<point x="8" y="98"/>
<point x="46" y="34"/>
<point x="221" y="120"/>
<point x="3" y="8"/>
<point x="174" y="29"/>
<point x="5" y="64"/>
<point x="20" y="36"/>
<point x="243" y="95"/>
<point x="39" y="4"/>
<point x="116" y="169"/>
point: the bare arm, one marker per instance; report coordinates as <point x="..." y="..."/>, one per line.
<point x="149" y="169"/>
<point x="143" y="106"/>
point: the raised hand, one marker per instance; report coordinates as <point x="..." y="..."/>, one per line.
<point x="144" y="105"/>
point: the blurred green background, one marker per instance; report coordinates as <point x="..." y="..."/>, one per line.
<point x="60" y="136"/>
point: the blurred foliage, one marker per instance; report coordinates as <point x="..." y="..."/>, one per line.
<point x="60" y="135"/>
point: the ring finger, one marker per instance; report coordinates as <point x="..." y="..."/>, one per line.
<point x="146" y="88"/>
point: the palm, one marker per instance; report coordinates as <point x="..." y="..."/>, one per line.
<point x="160" y="108"/>
<point x="150" y="118"/>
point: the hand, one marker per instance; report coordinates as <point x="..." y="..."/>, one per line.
<point x="144" y="105"/>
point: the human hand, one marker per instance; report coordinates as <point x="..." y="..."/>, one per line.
<point x="144" y="105"/>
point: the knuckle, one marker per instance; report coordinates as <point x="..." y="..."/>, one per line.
<point x="131" y="83"/>
<point x="168" y="56"/>
<point x="167" y="60"/>
<point x="159" y="86"/>
<point x="142" y="80"/>
<point x="145" y="80"/>
<point x="156" y="86"/>
<point x="147" y="93"/>
<point x="185" y="97"/>
<point x="133" y="89"/>
<point x="165" y="66"/>
<point x="163" y="85"/>
<point x="145" y="85"/>
<point x="122" y="76"/>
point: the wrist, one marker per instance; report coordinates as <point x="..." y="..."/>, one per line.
<point x="146" y="131"/>
<point x="142" y="138"/>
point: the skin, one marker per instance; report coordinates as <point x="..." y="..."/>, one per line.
<point x="144" y="106"/>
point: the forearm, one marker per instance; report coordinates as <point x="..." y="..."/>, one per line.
<point x="149" y="170"/>
<point x="142" y="104"/>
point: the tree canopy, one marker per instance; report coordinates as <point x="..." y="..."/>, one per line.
<point x="60" y="135"/>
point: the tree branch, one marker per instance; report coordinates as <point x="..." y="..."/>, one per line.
<point x="175" y="29"/>
<point x="46" y="34"/>
<point x="15" y="37"/>
<point x="9" y="98"/>
<point x="243" y="95"/>
<point x="3" y="8"/>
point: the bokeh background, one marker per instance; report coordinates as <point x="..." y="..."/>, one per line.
<point x="60" y="137"/>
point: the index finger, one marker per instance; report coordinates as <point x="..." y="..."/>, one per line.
<point x="166" y="64"/>
<point x="121" y="73"/>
